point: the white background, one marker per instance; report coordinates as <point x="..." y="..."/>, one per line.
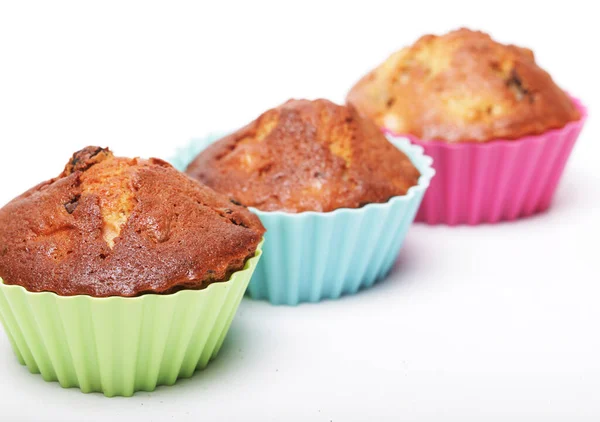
<point x="492" y="323"/>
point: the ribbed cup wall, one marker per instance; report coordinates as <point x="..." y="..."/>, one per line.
<point x="118" y="345"/>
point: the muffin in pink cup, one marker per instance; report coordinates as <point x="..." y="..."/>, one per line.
<point x="499" y="129"/>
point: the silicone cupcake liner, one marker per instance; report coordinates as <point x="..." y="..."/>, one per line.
<point x="119" y="345"/>
<point x="312" y="256"/>
<point x="496" y="181"/>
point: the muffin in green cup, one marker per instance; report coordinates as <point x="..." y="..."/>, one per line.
<point x="122" y="274"/>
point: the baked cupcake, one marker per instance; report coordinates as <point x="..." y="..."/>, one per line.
<point x="335" y="196"/>
<point x="496" y="125"/>
<point x="122" y="274"/>
<point x="306" y="156"/>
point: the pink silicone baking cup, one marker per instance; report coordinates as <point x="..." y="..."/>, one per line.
<point x="500" y="180"/>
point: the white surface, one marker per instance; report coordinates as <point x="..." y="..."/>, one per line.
<point x="493" y="323"/>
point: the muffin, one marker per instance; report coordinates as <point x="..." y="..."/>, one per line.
<point x="334" y="194"/>
<point x="465" y="88"/>
<point x="306" y="156"/>
<point x="140" y="232"/>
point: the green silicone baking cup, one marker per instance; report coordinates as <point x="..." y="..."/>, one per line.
<point x="118" y="345"/>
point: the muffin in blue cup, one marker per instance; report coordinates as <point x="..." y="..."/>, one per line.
<point x="337" y="198"/>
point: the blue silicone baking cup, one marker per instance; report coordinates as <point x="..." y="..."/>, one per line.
<point x="312" y="256"/>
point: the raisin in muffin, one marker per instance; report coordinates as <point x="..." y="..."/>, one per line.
<point x="109" y="226"/>
<point x="463" y="87"/>
<point x="306" y="156"/>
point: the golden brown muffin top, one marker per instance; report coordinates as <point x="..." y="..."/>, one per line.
<point x="462" y="86"/>
<point x="109" y="226"/>
<point x="306" y="156"/>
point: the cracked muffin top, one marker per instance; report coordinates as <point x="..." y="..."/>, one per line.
<point x="111" y="226"/>
<point x="462" y="87"/>
<point x="306" y="156"/>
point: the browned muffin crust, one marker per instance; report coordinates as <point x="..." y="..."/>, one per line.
<point x="306" y="156"/>
<point x="463" y="87"/>
<point x="111" y="226"/>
